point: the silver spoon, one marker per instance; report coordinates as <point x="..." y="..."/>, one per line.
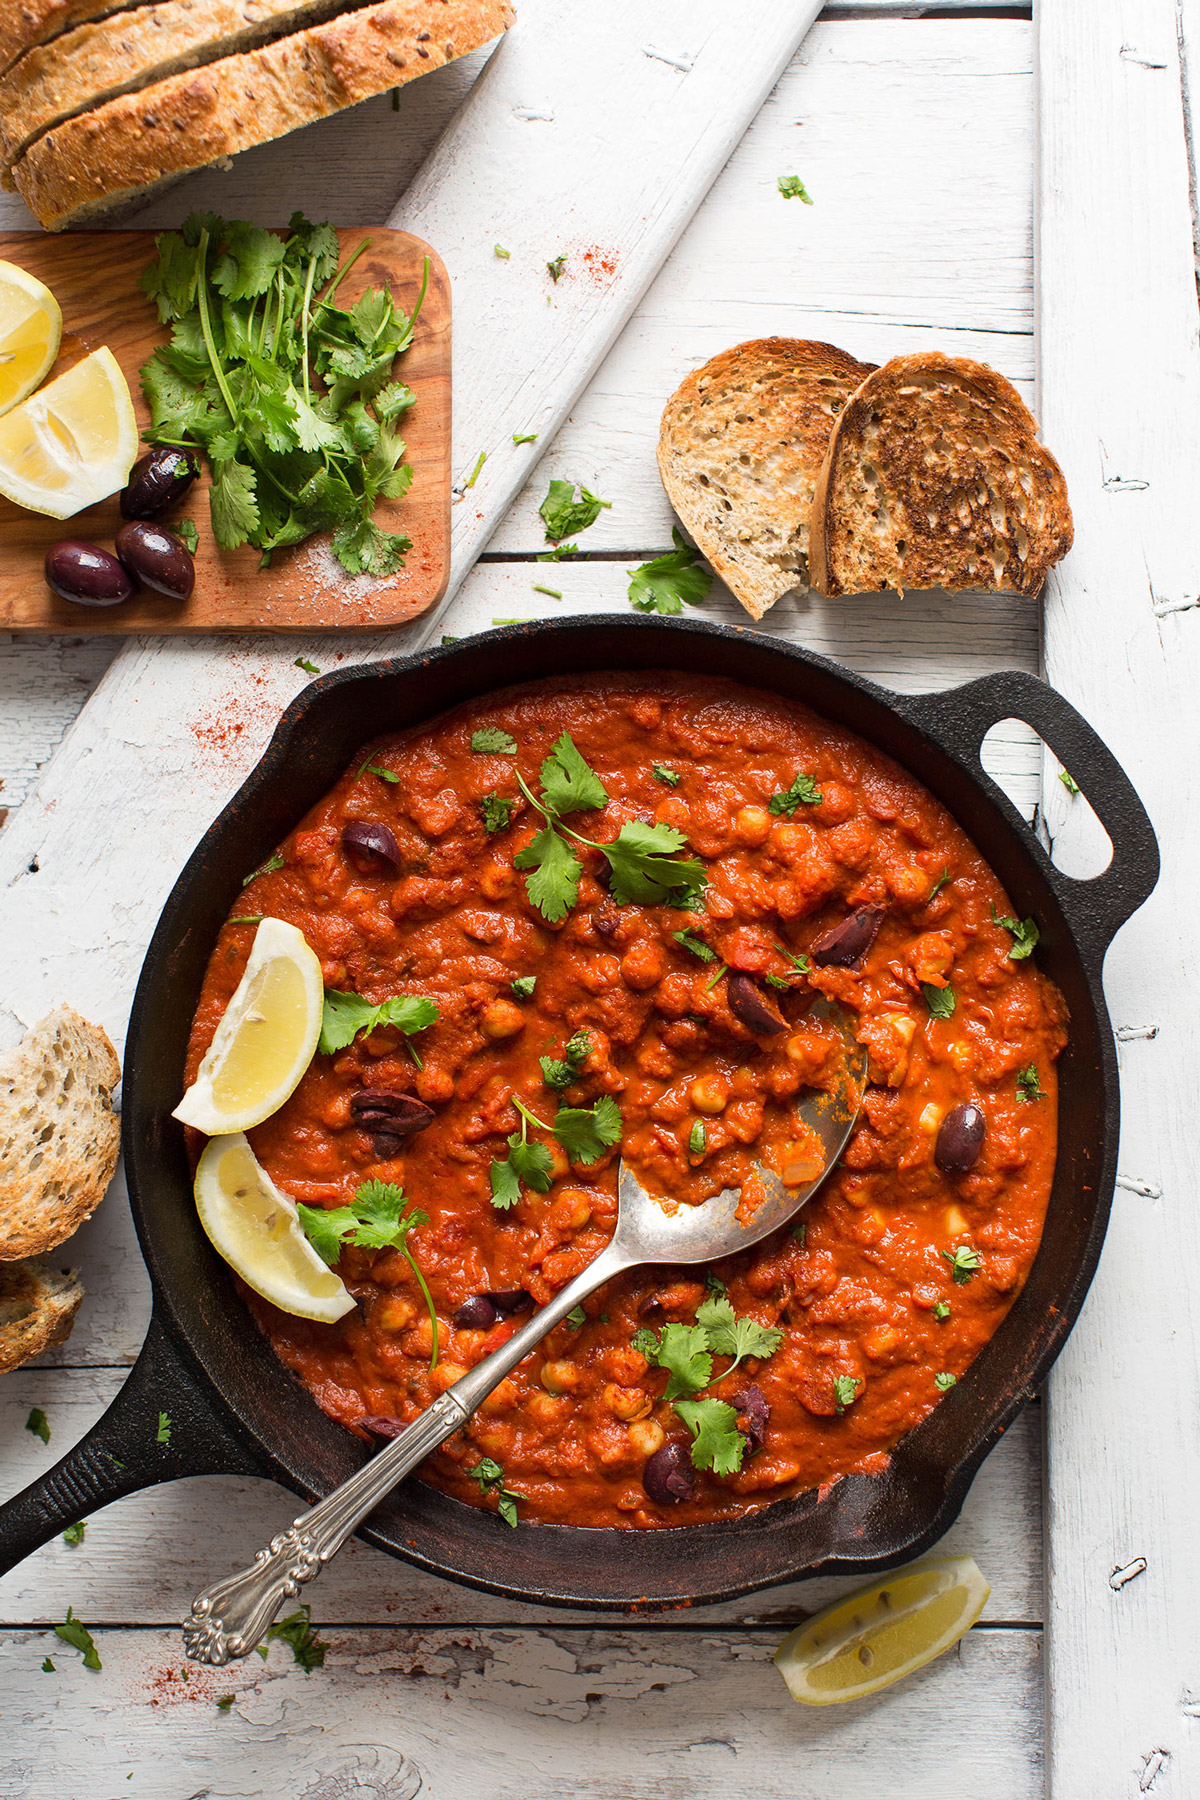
<point x="230" y="1618"/>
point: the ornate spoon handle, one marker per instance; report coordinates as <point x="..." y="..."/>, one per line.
<point x="232" y="1616"/>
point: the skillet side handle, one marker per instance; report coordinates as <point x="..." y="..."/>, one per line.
<point x="121" y="1453"/>
<point x="960" y="719"/>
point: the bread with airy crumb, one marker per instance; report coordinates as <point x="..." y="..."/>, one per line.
<point x="59" y="1134"/>
<point x="90" y="166"/>
<point x="37" y="1309"/>
<point x="934" y="477"/>
<point x="131" y="50"/>
<point x="741" y="444"/>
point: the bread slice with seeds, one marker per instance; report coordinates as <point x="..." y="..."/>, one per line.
<point x="38" y="1304"/>
<point x="59" y="1134"/>
<point x="934" y="477"/>
<point x="24" y="23"/>
<point x="741" y="445"/>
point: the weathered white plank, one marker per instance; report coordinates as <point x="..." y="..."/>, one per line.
<point x="145" y="1558"/>
<point x="1120" y="394"/>
<point x="43" y="684"/>
<point x="515" y="1715"/>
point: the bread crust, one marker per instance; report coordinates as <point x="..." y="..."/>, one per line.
<point x="96" y="162"/>
<point x="37" y="1309"/>
<point x="97" y="62"/>
<point x="25" y="23"/>
<point x="934" y="477"/>
<point x="740" y="446"/>
<point x="59" y="1134"/>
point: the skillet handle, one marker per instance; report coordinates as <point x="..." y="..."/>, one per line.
<point x="121" y="1453"/>
<point x="960" y="719"/>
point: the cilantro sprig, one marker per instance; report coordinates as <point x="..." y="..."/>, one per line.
<point x="964" y="1263"/>
<point x="803" y="792"/>
<point x="584" y="1132"/>
<point x="490" y="1477"/>
<point x="345" y="1016"/>
<point x="74" y="1632"/>
<point x="940" y="1001"/>
<point x="665" y="582"/>
<point x="1024" y="934"/>
<point x="378" y="1218"/>
<point x="563" y="515"/>
<point x="562" y="1071"/>
<point x="686" y="1352"/>
<point x="291" y="398"/>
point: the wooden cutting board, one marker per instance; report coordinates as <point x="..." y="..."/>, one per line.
<point x="94" y="276"/>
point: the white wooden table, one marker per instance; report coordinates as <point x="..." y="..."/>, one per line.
<point x="915" y="138"/>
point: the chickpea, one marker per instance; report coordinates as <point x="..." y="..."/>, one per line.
<point x="625" y="1364"/>
<point x="647" y="1436"/>
<point x="709" y="1094"/>
<point x="337" y="1116"/>
<point x="393" y="1312"/>
<point x="445" y="1376"/>
<point x="418" y="1341"/>
<point x="502" y="1399"/>
<point x="571" y="1211"/>
<point x="908" y="882"/>
<point x="642" y="965"/>
<point x="752" y="826"/>
<point x="962" y="1056"/>
<point x="546" y="1409"/>
<point x="495" y="881"/>
<point x="501" y="1020"/>
<point x="955" y="1222"/>
<point x="435" y="1085"/>
<point x="627" y="1402"/>
<point x="882" y="1344"/>
<point x="931" y="1117"/>
<point x="561" y="1377"/>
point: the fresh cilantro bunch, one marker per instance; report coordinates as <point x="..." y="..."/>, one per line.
<point x="291" y="397"/>
<point x="665" y="582"/>
<point x="584" y="1132"/>
<point x="378" y="1218"/>
<point x="686" y="1352"/>
<point x="344" y="1016"/>
<point x="639" y="858"/>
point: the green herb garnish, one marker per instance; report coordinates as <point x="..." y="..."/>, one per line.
<point x="268" y="868"/>
<point x="374" y="768"/>
<point x="554" y="593"/>
<point x="964" y="1263"/>
<point x="665" y="582"/>
<point x="563" y="515"/>
<point x="310" y="668"/>
<point x="163" y="1434"/>
<point x="845" y="1388"/>
<point x="48" y="1667"/>
<point x="38" y="1424"/>
<point x="248" y="919"/>
<point x="800" y="1233"/>
<point x="943" y="1383"/>
<point x="717" y="1443"/>
<point x="560" y="552"/>
<point x="73" y="1535"/>
<point x="473" y="477"/>
<point x="586" y="1132"/>
<point x="491" y="741"/>
<point x="1029" y="1085"/>
<point x="555" y="268"/>
<point x="524" y="437"/>
<point x="378" y="1218"/>
<point x="697" y="1139"/>
<point x="345" y="1016"/>
<point x="297" y="1631"/>
<point x="940" y="1001"/>
<point x="792" y="188"/>
<point x="803" y="792"/>
<point x="76" y="1634"/>
<point x="669" y="777"/>
<point x="1024" y="933"/>
<point x="499" y="250"/>
<point x="523" y="986"/>
<point x="1069" y="782"/>
<point x="938" y="885"/>
<point x="562" y="1072"/>
<point x="490" y="1477"/>
<point x="225" y="1702"/>
<point x="576" y="1318"/>
<point x="800" y="963"/>
<point x="497" y="812"/>
<point x="941" y="1310"/>
<point x="696" y="945"/>
<point x="187" y="534"/>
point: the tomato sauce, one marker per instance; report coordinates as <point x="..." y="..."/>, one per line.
<point x="864" y="1290"/>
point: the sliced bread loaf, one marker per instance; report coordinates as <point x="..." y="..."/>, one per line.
<point x="934" y="477"/>
<point x="129" y="51"/>
<point x="741" y="444"/>
<point x="37" y="1309"/>
<point x="91" y="165"/>
<point x="59" y="1134"/>
<point x="24" y="23"/>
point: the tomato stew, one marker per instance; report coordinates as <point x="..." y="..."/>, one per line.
<point x="829" y="871"/>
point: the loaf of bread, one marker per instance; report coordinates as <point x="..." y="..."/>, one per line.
<point x="133" y="49"/>
<point x="100" y="160"/>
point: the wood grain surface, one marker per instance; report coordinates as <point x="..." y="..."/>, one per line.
<point x="94" y="277"/>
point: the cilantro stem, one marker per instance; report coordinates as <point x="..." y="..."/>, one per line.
<point x="326" y="298"/>
<point x="406" y="1253"/>
<point x="416" y="311"/>
<point x="207" y="331"/>
<point x="305" y="312"/>
<point x="530" y="1117"/>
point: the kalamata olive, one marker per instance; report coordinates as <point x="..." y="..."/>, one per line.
<point x="398" y="1115"/>
<point x="960" y="1140"/>
<point x="753" y="1410"/>
<point x="158" y="481"/>
<point x="748" y="1003"/>
<point x="476" y="1314"/>
<point x="667" y="1476"/>
<point x="511" y="1300"/>
<point x="849" y="942"/>
<point x="375" y="840"/>
<point x="382" y="1427"/>
<point x="157" y="559"/>
<point x="86" y="574"/>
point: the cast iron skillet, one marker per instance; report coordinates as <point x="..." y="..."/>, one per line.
<point x="236" y="1410"/>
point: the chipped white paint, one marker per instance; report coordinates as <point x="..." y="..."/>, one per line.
<point x="1119" y="372"/>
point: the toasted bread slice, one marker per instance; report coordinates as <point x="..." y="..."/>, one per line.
<point x="934" y="477"/>
<point x="59" y="1135"/>
<point x="37" y="1309"/>
<point x="24" y="23"/>
<point x="90" y="166"/>
<point x="741" y="443"/>
<point x="131" y="50"/>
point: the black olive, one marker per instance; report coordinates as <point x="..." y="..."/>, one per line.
<point x="511" y="1300"/>
<point x="668" y="1476"/>
<point x="375" y="840"/>
<point x="748" y="1003"/>
<point x="476" y="1314"/>
<point x="158" y="481"/>
<point x="86" y="575"/>
<point x="381" y="1426"/>
<point x="960" y="1140"/>
<point x="753" y="1410"/>
<point x="396" y="1115"/>
<point x="849" y="942"/>
<point x="157" y="558"/>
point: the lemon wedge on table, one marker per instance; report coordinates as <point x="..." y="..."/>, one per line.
<point x="30" y="333"/>
<point x="266" y="1039"/>
<point x="254" y="1225"/>
<point x="882" y="1633"/>
<point x="72" y="443"/>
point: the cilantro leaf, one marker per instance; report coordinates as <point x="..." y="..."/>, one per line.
<point x="941" y="1310"/>
<point x="75" y="1633"/>
<point x="490" y="1477"/>
<point x="1069" y="782"/>
<point x="641" y="870"/>
<point x="669" y="777"/>
<point x="683" y="1351"/>
<point x="964" y="1263"/>
<point x="491" y="741"/>
<point x="718" y="1444"/>
<point x="188" y="536"/>
<point x="234" y="504"/>
<point x="497" y="812"/>
<point x="163" y="1435"/>
<point x="1024" y="932"/>
<point x="555" y="268"/>
<point x="697" y="1139"/>
<point x="297" y="1632"/>
<point x="792" y="188"/>
<point x="554" y="888"/>
<point x="568" y="784"/>
<point x="665" y="582"/>
<point x="73" y="1535"/>
<point x="506" y="1189"/>
<point x="346" y="1015"/>
<point x="803" y="792"/>
<point x="560" y="1072"/>
<point x="310" y="668"/>
<point x="576" y="1318"/>
<point x="560" y="553"/>
<point x="380" y="1217"/>
<point x="586" y="1132"/>
<point x="268" y="868"/>
<point x="943" y="1383"/>
<point x="731" y="1336"/>
<point x="563" y="515"/>
<point x="1029" y="1084"/>
<point x="695" y="944"/>
<point x="523" y="986"/>
<point x="38" y="1424"/>
<point x="525" y="1162"/>
<point x="940" y="1001"/>
<point x="845" y="1388"/>
<point x="48" y="1667"/>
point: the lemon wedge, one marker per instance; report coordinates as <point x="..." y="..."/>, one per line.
<point x="73" y="443"/>
<point x="30" y="333"/>
<point x="882" y="1633"/>
<point x="255" y="1227"/>
<point x="266" y="1039"/>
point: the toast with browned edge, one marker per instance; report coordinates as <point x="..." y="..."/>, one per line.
<point x="38" y="1304"/>
<point x="741" y="444"/>
<point x="934" y="477"/>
